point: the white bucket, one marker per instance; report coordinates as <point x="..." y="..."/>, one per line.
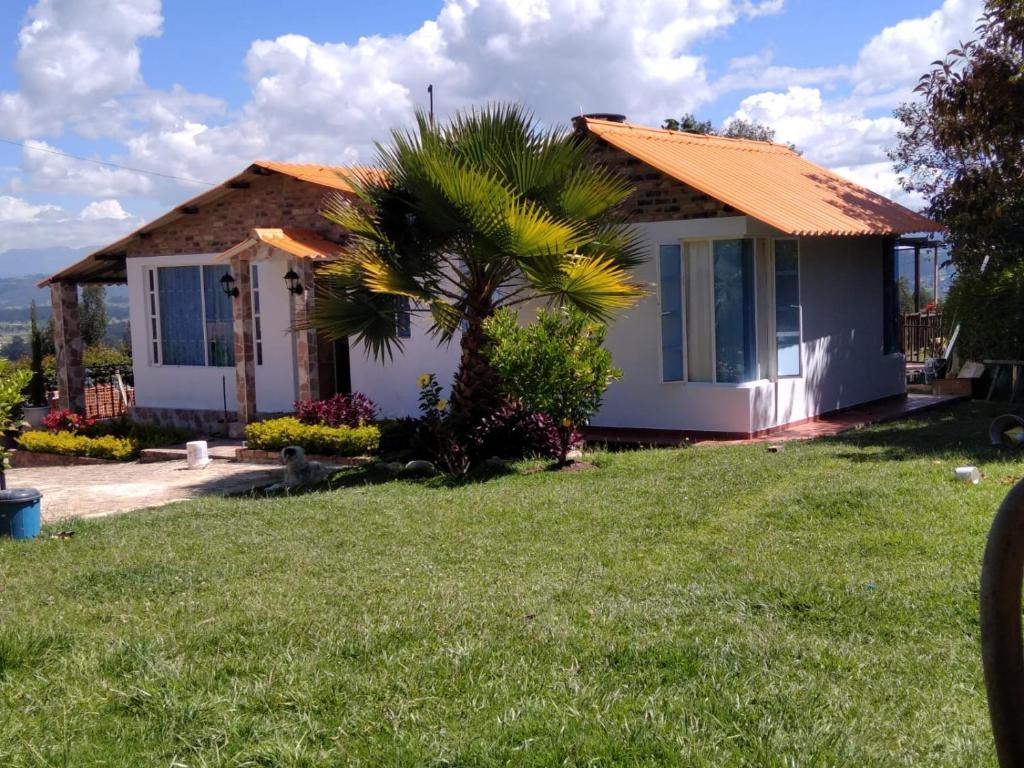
<point x="968" y="475"/>
<point x="198" y="455"/>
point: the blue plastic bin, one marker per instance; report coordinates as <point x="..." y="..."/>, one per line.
<point x="20" y="514"/>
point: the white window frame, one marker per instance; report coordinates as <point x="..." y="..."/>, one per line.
<point x="710" y="288"/>
<point x="257" y="312"/>
<point x="774" y="357"/>
<point x="156" y="352"/>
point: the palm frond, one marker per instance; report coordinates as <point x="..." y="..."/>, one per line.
<point x="597" y="286"/>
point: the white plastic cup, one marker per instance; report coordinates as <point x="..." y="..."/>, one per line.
<point x="968" y="475"/>
<point x="198" y="454"/>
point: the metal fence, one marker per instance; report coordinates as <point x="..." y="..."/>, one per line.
<point x="924" y="335"/>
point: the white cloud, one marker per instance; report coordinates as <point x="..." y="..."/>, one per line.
<point x="74" y="55"/>
<point x="104" y="209"/>
<point x="14" y="209"/>
<point x="48" y="172"/>
<point x="29" y="225"/>
<point x="844" y="132"/>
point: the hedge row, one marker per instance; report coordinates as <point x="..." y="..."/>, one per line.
<point x="275" y="434"/>
<point x="69" y="444"/>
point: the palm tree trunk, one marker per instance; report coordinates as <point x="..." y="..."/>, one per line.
<point x="475" y="389"/>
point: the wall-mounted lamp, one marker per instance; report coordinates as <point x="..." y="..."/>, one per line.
<point x="294" y="285"/>
<point x="227" y="283"/>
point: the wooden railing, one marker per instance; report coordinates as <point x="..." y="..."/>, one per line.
<point x="106" y="401"/>
<point x="923" y="335"/>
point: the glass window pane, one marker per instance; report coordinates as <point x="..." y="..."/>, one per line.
<point x="403" y="319"/>
<point x="181" y="315"/>
<point x="735" y="341"/>
<point x="671" y="278"/>
<point x="220" y="332"/>
<point x="787" y="308"/>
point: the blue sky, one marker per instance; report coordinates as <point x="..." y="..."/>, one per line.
<point x="199" y="89"/>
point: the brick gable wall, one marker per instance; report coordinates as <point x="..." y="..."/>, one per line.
<point x="271" y="201"/>
<point x="658" y="197"/>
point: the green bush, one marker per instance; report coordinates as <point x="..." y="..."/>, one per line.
<point x="558" y="366"/>
<point x="141" y="434"/>
<point x="69" y="444"/>
<point x="275" y="434"/>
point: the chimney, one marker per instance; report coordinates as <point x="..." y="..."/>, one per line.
<point x="611" y="117"/>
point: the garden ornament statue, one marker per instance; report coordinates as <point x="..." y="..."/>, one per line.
<point x="1002" y="648"/>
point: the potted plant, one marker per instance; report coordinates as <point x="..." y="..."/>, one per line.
<point x="36" y="407"/>
<point x="20" y="514"/>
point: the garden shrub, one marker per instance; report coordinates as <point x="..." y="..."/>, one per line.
<point x="142" y="434"/>
<point x="397" y="434"/>
<point x="342" y="410"/>
<point x="275" y="434"/>
<point x="557" y="366"/>
<point x="70" y="444"/>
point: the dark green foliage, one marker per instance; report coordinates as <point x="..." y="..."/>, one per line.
<point x="962" y="147"/>
<point x="37" y="387"/>
<point x="93" y="313"/>
<point x="556" y="366"/>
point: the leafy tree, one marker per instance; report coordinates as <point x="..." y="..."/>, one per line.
<point x="94" y="315"/>
<point x="962" y="148"/>
<point x="737" y="128"/>
<point x="487" y="211"/>
<point x="557" y="366"/>
<point x="37" y="386"/>
<point x="689" y="124"/>
<point x="907" y="295"/>
<point x="16" y="349"/>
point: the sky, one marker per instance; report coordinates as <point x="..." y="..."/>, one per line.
<point x="198" y="89"/>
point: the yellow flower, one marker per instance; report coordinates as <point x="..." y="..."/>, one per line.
<point x="442" y="404"/>
<point x="566" y="423"/>
<point x="423" y="380"/>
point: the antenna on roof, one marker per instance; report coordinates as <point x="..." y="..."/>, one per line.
<point x="430" y="91"/>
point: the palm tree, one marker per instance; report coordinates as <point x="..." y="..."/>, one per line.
<point x="457" y="221"/>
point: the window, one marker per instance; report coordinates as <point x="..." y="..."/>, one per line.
<point x="787" y="308"/>
<point x="191" y="317"/>
<point x="154" y="316"/>
<point x="257" y="324"/>
<point x="403" y="319"/>
<point x="735" y="345"/>
<point x="671" y="280"/>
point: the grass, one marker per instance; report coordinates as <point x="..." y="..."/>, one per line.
<point x="718" y="606"/>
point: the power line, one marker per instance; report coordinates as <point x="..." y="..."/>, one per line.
<point x="30" y="147"/>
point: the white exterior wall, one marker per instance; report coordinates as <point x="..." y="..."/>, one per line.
<point x="392" y="385"/>
<point x="171" y="386"/>
<point x="277" y="383"/>
<point x="841" y="349"/>
<point x="842" y="342"/>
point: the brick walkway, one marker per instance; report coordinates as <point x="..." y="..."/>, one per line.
<point x="103" y="489"/>
<point x="854" y="418"/>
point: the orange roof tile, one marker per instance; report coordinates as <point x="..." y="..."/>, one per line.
<point x="299" y="242"/>
<point x="767" y="181"/>
<point x="324" y="175"/>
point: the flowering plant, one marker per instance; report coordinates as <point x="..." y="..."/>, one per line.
<point x="342" y="410"/>
<point x="67" y="421"/>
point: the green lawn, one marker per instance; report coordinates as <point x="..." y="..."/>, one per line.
<point x="717" y="606"/>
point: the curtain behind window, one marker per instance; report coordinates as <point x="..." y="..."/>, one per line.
<point x="181" y="315"/>
<point x="220" y="335"/>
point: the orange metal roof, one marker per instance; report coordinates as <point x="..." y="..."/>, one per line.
<point x="324" y="175"/>
<point x="100" y="267"/>
<point x="299" y="242"/>
<point x="767" y="181"/>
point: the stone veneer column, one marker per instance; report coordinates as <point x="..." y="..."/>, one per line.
<point x="245" y="353"/>
<point x="305" y="343"/>
<point x="67" y="336"/>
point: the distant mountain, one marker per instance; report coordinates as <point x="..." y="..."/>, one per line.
<point x="19" y="262"/>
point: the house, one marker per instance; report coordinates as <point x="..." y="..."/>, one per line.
<point x="773" y="295"/>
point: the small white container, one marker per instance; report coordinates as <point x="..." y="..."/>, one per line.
<point x="198" y="454"/>
<point x="968" y="475"/>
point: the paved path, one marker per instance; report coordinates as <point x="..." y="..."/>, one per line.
<point x="102" y="489"/>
